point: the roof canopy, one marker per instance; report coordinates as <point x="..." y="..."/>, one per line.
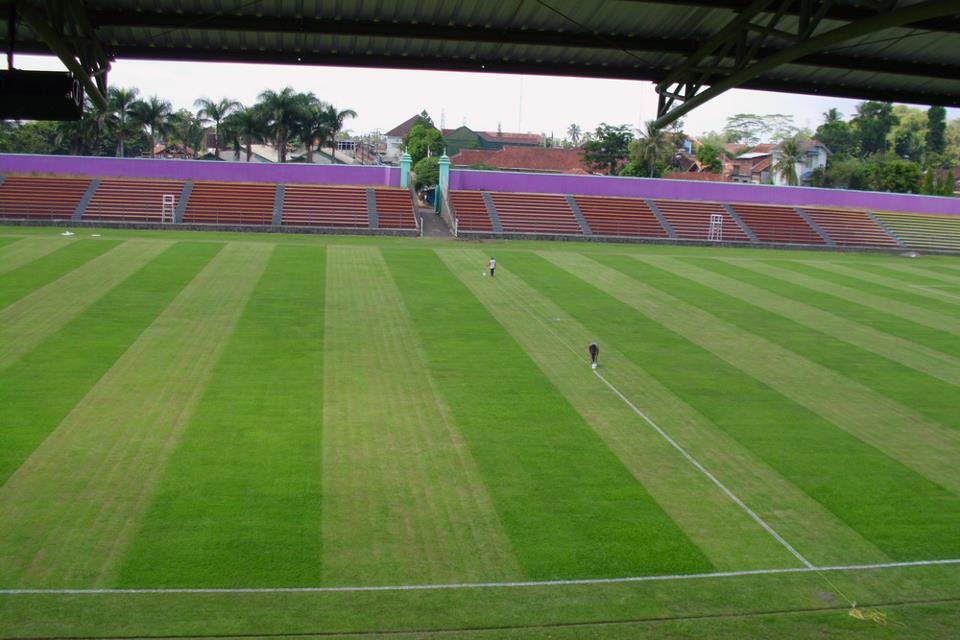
<point x="903" y="50"/>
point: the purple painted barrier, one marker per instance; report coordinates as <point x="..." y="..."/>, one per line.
<point x="200" y="170"/>
<point x="691" y="190"/>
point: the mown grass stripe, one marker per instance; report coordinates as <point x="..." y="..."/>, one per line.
<point x="239" y="500"/>
<point x="38" y="391"/>
<point x="69" y="511"/>
<point x="16" y="252"/>
<point x="402" y="497"/>
<point x="33" y="318"/>
<point x="768" y="399"/>
<point x="859" y="353"/>
<point x="635" y="364"/>
<point x="901" y="281"/>
<point x="804" y="290"/>
<point x="20" y="281"/>
<point x="570" y="507"/>
<point x="557" y="342"/>
<point x="927" y="312"/>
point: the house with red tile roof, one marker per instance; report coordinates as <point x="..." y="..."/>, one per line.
<point x="535" y="159"/>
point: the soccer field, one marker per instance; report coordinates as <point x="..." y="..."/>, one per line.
<point x="221" y="434"/>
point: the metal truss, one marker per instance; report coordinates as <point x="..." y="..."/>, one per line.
<point x="64" y="27"/>
<point x="752" y="44"/>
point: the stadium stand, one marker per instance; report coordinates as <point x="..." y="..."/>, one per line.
<point x="923" y="231"/>
<point x="42" y="197"/>
<point x="230" y="203"/>
<point x="777" y="224"/>
<point x="691" y="220"/>
<point x="850" y="227"/>
<point x="535" y="213"/>
<point x="121" y="200"/>
<point x="395" y="208"/>
<point x="325" y="206"/>
<point x="471" y="211"/>
<point x="609" y="216"/>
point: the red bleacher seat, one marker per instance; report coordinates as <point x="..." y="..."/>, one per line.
<point x="231" y="203"/>
<point x="690" y="220"/>
<point x="395" y="208"/>
<point x="325" y="206"/>
<point x="471" y="211"/>
<point x="620" y="217"/>
<point x="773" y="223"/>
<point x="46" y="197"/>
<point x="121" y="199"/>
<point x="850" y="227"/>
<point x="535" y="213"/>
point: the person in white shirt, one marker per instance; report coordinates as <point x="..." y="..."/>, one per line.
<point x="493" y="266"/>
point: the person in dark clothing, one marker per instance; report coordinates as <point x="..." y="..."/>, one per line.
<point x="594" y="350"/>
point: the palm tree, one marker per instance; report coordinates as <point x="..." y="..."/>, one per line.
<point x="215" y="112"/>
<point x="282" y="111"/>
<point x="335" y="121"/>
<point x="788" y="155"/>
<point x="246" y="124"/>
<point x="186" y="128"/>
<point x="313" y="123"/>
<point x="653" y="146"/>
<point x="833" y="115"/>
<point x="574" y="132"/>
<point x="119" y="105"/>
<point x="152" y="115"/>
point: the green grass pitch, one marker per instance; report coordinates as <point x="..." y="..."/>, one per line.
<point x="216" y="435"/>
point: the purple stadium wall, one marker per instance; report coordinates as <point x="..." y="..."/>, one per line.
<point x="200" y="170"/>
<point x="691" y="190"/>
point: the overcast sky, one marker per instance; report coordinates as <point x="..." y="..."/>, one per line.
<point x="384" y="98"/>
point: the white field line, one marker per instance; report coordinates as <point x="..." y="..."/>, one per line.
<point x="730" y="494"/>
<point x="484" y="585"/>
<point x="693" y="461"/>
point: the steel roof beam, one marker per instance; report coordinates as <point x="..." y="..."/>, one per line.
<point x="281" y="25"/>
<point x="928" y="9"/>
<point x="838" y="12"/>
<point x="184" y="54"/>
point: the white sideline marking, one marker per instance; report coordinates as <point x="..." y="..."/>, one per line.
<point x="750" y="512"/>
<point x="484" y="585"/>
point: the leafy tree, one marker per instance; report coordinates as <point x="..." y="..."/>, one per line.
<point x="928" y="187"/>
<point x="894" y="175"/>
<point x="282" y="110"/>
<point x="152" y="114"/>
<point x="951" y="154"/>
<point x="751" y="128"/>
<point x="608" y="149"/>
<point x="421" y="140"/>
<point x="573" y="132"/>
<point x="710" y="157"/>
<point x="334" y="121"/>
<point x="425" y="119"/>
<point x="908" y="136"/>
<point x="120" y="103"/>
<point x="872" y="124"/>
<point x="427" y="172"/>
<point x="216" y="112"/>
<point x="936" y="129"/>
<point x="836" y="134"/>
<point x="948" y="184"/>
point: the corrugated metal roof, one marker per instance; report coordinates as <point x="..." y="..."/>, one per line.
<point x="632" y="39"/>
